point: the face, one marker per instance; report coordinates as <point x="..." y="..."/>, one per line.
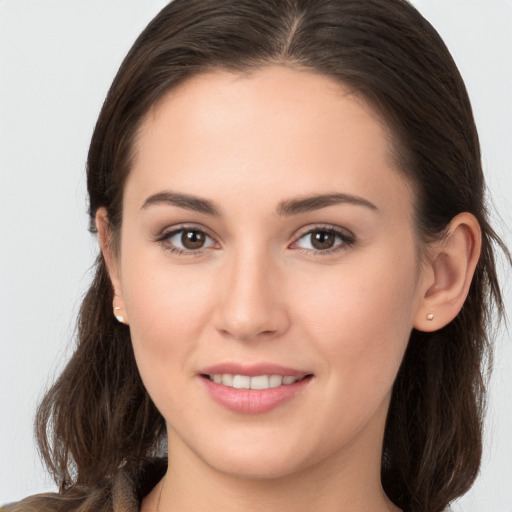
<point x="268" y="242"/>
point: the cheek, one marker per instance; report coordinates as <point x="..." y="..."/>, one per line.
<point x="361" y="318"/>
<point x="165" y="314"/>
<point x="166" y="306"/>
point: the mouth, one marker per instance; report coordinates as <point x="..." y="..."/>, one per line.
<point x="254" y="389"/>
<point x="259" y="382"/>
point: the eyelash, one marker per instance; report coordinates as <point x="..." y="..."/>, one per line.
<point x="167" y="235"/>
<point x="347" y="239"/>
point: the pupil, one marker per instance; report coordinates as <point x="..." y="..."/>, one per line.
<point x="323" y="240"/>
<point x="192" y="239"/>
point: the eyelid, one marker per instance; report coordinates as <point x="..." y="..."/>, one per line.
<point x="169" y="232"/>
<point x="346" y="236"/>
<point x="327" y="227"/>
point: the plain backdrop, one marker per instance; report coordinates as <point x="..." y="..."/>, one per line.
<point x="57" y="59"/>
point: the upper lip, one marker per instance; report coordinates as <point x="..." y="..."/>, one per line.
<point x="253" y="370"/>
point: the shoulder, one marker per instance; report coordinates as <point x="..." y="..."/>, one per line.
<point x="41" y="503"/>
<point x="122" y="492"/>
<point x="73" y="500"/>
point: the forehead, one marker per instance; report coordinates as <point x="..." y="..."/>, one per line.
<point x="276" y="126"/>
<point x="266" y="96"/>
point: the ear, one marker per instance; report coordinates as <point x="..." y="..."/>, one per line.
<point x="112" y="262"/>
<point x="448" y="274"/>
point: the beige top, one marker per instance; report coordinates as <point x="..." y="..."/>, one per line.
<point x="122" y="494"/>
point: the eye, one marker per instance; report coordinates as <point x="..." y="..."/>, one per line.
<point x="186" y="240"/>
<point x="325" y="240"/>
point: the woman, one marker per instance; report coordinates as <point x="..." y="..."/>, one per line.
<point x="288" y="198"/>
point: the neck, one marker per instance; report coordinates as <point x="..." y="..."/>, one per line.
<point x="347" y="482"/>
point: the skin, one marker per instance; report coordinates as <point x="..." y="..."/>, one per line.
<point x="260" y="291"/>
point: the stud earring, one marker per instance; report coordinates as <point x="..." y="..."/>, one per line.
<point x="119" y="318"/>
<point x="430" y="316"/>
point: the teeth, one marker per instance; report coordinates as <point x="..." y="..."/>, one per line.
<point x="275" y="381"/>
<point x="256" y="382"/>
<point x="260" y="382"/>
<point x="241" y="382"/>
<point x="227" y="380"/>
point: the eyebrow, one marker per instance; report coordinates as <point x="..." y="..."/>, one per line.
<point x="285" y="208"/>
<point x="316" y="202"/>
<point x="183" y="201"/>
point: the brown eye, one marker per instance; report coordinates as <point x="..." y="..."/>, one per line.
<point x="322" y="240"/>
<point x="187" y="241"/>
<point x="191" y="239"/>
<point x="325" y="241"/>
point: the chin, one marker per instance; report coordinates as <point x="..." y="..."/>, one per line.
<point x="255" y="468"/>
<point x="258" y="461"/>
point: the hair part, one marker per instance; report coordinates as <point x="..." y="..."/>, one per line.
<point x="98" y="415"/>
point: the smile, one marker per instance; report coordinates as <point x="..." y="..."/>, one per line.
<point x="253" y="389"/>
<point x="255" y="382"/>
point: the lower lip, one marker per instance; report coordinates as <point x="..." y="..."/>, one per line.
<point x="253" y="401"/>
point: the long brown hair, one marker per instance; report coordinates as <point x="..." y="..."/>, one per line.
<point x="98" y="417"/>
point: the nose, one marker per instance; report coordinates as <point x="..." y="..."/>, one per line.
<point x="252" y="302"/>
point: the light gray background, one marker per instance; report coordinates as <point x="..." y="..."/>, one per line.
<point x="57" y="59"/>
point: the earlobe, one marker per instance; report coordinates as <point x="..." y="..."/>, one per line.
<point x="452" y="265"/>
<point x="112" y="263"/>
<point x="118" y="314"/>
